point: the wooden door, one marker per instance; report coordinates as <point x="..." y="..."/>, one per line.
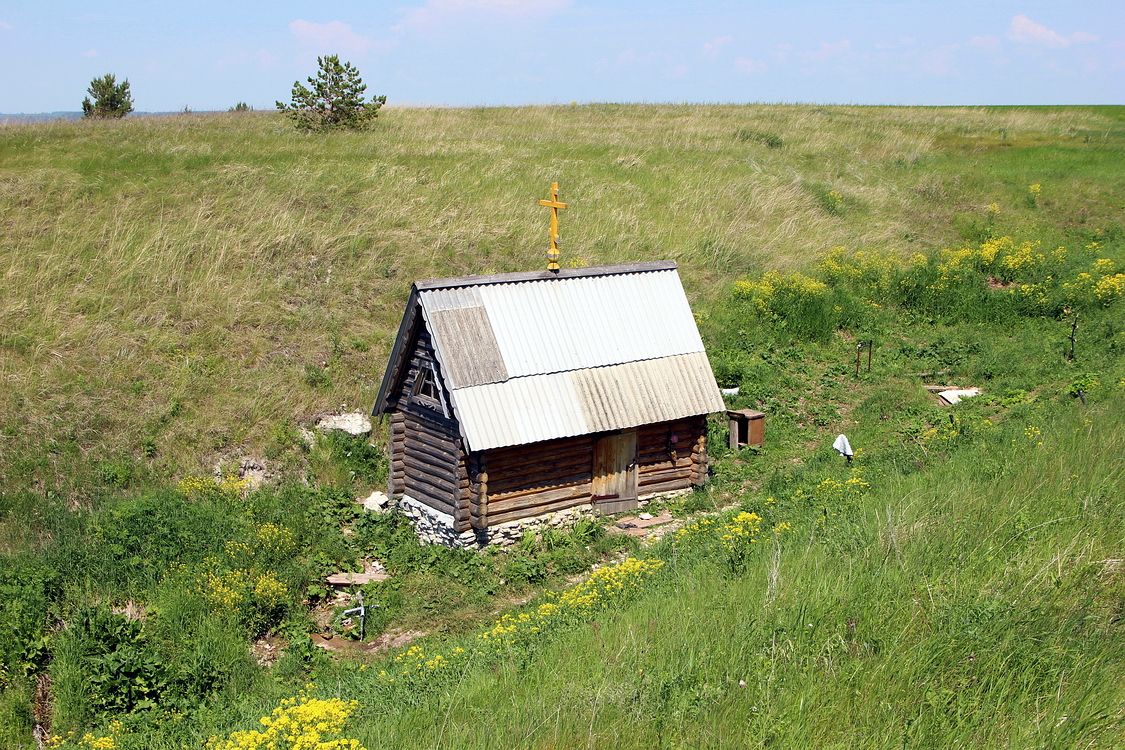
<point x="615" y="473"/>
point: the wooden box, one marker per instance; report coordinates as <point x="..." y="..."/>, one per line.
<point x="747" y="427"/>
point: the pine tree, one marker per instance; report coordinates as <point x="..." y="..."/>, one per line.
<point x="335" y="99"/>
<point x="111" y="99"/>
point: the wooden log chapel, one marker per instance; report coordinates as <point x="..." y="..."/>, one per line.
<point x="518" y="395"/>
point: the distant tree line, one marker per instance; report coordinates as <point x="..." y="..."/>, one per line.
<point x="335" y="99"/>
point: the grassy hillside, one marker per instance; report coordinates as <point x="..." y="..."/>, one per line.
<point x="177" y="292"/>
<point x="182" y="292"/>
<point x="975" y="606"/>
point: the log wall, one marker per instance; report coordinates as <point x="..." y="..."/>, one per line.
<point x="507" y="484"/>
<point x="529" y="480"/>
<point x="427" y="462"/>
<point x="672" y="455"/>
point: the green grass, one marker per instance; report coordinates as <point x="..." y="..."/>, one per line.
<point x="177" y="293"/>
<point x="977" y="605"/>
<point x="173" y="291"/>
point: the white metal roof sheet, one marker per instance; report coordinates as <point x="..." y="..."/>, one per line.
<point x="557" y="325"/>
<point x="553" y="405"/>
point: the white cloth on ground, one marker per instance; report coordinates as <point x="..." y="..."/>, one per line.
<point x="842" y="446"/>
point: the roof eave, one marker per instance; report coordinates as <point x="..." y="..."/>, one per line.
<point x="394" y="363"/>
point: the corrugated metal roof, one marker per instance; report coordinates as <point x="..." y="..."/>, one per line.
<point x="557" y="325"/>
<point x="467" y="348"/>
<point x="536" y="356"/>
<point x="544" y="407"/>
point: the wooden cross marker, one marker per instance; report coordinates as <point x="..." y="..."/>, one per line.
<point x="554" y="204"/>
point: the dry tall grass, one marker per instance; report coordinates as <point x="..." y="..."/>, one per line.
<point x="166" y="283"/>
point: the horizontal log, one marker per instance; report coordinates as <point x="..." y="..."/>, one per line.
<point x="437" y="429"/>
<point x="509" y="464"/>
<point x="444" y="442"/>
<point x="432" y="475"/>
<point x="497" y="496"/>
<point x="434" y="503"/>
<point x="545" y="444"/>
<point x="538" y="498"/>
<point x="680" y="463"/>
<point x="518" y="480"/>
<point x="414" y="458"/>
<point x="664" y="476"/>
<point x="424" y="491"/>
<point x="546" y="448"/>
<point x="495" y="519"/>
<point x="437" y="450"/>
<point x="516" y="457"/>
<point x="436" y="483"/>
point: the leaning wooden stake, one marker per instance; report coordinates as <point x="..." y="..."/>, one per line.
<point x="1072" y="337"/>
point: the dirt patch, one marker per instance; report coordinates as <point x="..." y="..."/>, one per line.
<point x="346" y="647"/>
<point x="266" y="651"/>
<point x="41" y="710"/>
<point x="995" y="283"/>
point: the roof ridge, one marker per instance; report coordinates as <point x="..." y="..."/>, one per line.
<point x="522" y="276"/>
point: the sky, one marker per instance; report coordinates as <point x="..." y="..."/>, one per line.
<point x="208" y="55"/>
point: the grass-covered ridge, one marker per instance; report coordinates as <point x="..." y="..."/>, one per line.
<point x="176" y="292"/>
<point x="959" y="577"/>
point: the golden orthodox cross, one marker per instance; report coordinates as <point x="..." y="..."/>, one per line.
<point x="554" y="204"/>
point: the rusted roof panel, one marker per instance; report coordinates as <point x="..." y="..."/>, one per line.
<point x="554" y="405"/>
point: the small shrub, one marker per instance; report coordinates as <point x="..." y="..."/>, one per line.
<point x="524" y="568"/>
<point x="110" y="98"/>
<point x="107" y="666"/>
<point x="27" y="589"/>
<point x="317" y="377"/>
<point x="769" y="140"/>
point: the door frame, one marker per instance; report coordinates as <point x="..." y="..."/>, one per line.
<point x="625" y="496"/>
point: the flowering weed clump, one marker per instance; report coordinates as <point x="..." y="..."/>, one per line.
<point x="998" y="277"/>
<point x="515" y="632"/>
<point x="228" y="487"/>
<point x="801" y="303"/>
<point x="738" y="536"/>
<point x="298" y="723"/>
<point x="106" y="740"/>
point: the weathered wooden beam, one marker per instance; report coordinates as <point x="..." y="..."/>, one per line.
<point x="497" y="497"/>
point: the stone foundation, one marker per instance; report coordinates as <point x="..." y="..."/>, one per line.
<point x="434" y="527"/>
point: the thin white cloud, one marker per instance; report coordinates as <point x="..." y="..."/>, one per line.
<point x="262" y="58"/>
<point x="435" y="13"/>
<point x="5" y="26"/>
<point x="90" y="53"/>
<point x="985" y="41"/>
<point x="940" y="61"/>
<point x="749" y="66"/>
<point x="714" y="46"/>
<point x="333" y="37"/>
<point x="1026" y="31"/>
<point x="828" y="50"/>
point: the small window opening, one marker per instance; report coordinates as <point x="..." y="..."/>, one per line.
<point x="426" y="387"/>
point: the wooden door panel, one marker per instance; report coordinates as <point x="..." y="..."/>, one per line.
<point x="615" y="472"/>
